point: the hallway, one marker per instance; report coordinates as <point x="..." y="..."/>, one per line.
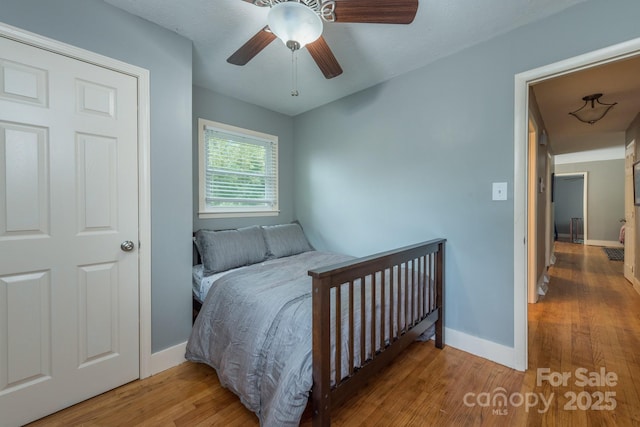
<point x="589" y="319"/>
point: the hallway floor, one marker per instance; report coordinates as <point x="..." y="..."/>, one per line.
<point x="587" y="324"/>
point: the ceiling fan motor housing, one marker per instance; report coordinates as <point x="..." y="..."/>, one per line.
<point x="325" y="9"/>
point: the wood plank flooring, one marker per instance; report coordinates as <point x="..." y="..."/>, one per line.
<point x="589" y="319"/>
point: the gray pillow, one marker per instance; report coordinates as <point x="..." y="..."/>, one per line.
<point x="285" y="240"/>
<point x="224" y="250"/>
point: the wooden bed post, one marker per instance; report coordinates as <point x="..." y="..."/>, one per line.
<point x="440" y="295"/>
<point x="321" y="391"/>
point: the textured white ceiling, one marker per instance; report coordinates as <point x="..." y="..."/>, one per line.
<point x="368" y="53"/>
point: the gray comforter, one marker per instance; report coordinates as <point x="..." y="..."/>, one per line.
<point x="254" y="329"/>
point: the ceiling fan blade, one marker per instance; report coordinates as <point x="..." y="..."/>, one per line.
<point x="321" y="53"/>
<point x="251" y="48"/>
<point x="376" y="12"/>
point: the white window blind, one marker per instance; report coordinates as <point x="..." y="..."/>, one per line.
<point x="239" y="171"/>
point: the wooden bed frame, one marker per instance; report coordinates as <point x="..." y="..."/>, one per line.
<point x="426" y="281"/>
<point x="427" y="260"/>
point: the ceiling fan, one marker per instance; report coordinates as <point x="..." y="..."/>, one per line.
<point x="286" y="14"/>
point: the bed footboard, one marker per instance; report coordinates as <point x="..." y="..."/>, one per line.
<point x="369" y="310"/>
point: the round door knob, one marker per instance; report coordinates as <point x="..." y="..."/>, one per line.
<point x="127" y="246"/>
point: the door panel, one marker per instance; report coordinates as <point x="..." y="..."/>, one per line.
<point x="97" y="192"/>
<point x="24" y="360"/>
<point x="23" y="185"/>
<point x="68" y="198"/>
<point x="24" y="83"/>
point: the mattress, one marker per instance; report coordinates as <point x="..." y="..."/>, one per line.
<point x="201" y="283"/>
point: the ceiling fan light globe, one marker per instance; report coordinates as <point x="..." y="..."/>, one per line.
<point x="293" y="21"/>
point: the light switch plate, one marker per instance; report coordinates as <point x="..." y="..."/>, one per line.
<point x="499" y="191"/>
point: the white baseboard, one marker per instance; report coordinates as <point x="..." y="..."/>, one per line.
<point x="636" y="285"/>
<point x="168" y="358"/>
<point x="607" y="243"/>
<point x="542" y="287"/>
<point x="174" y="356"/>
<point x="480" y="347"/>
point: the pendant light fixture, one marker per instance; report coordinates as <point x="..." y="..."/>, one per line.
<point x="593" y="109"/>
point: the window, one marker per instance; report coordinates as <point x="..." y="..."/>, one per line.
<point x="238" y="171"/>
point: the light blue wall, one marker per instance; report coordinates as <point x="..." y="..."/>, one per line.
<point x="414" y="158"/>
<point x="220" y="108"/>
<point x="568" y="202"/>
<point x="101" y="28"/>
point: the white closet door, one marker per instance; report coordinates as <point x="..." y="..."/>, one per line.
<point x="68" y="200"/>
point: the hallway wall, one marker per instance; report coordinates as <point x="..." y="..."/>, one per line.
<point x="605" y="197"/>
<point x="569" y="201"/>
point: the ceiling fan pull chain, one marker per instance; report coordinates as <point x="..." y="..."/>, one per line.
<point x="294" y="72"/>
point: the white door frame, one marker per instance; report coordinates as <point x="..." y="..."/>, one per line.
<point x="521" y="130"/>
<point x="629" y="243"/>
<point x="532" y="226"/>
<point x="549" y="213"/>
<point x="144" y="178"/>
<point x="532" y="206"/>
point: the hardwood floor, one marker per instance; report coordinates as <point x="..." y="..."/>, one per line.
<point x="589" y="319"/>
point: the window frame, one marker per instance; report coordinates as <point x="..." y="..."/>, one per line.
<point x="204" y="211"/>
